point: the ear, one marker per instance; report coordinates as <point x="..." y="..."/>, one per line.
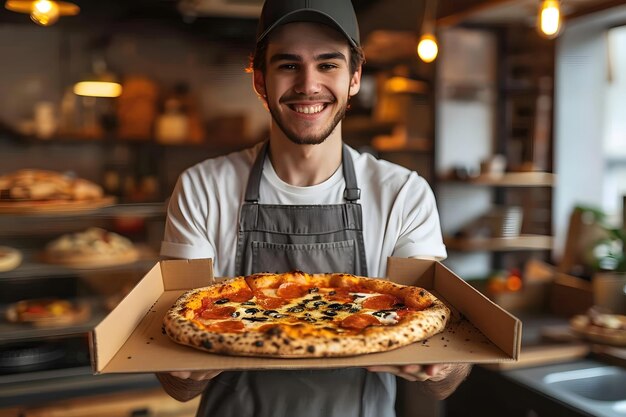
<point x="259" y="83"/>
<point x="355" y="82"/>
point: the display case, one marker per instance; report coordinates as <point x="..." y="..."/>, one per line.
<point x="43" y="360"/>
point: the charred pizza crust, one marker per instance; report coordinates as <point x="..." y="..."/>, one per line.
<point x="324" y="315"/>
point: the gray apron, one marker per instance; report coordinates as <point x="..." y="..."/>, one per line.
<point x="314" y="239"/>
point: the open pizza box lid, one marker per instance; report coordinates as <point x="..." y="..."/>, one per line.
<point x="131" y="340"/>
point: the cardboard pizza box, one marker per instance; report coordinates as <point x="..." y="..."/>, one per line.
<point x="130" y="339"/>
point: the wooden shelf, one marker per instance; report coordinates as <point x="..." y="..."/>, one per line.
<point x="502" y="244"/>
<point x="511" y="179"/>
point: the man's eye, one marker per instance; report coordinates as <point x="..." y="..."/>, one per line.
<point x="327" y="67"/>
<point x="289" y="67"/>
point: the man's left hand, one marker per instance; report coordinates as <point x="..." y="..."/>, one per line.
<point x="414" y="373"/>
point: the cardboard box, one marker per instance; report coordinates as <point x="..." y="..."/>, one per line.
<point x="130" y="338"/>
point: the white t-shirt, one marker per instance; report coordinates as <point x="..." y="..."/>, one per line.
<point x="399" y="211"/>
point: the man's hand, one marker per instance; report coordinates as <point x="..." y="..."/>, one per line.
<point x="185" y="385"/>
<point x="415" y="373"/>
<point x="440" y="379"/>
<point x="195" y="375"/>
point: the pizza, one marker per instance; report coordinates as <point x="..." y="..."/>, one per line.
<point x="48" y="312"/>
<point x="91" y="248"/>
<point x="601" y="327"/>
<point x="9" y="258"/>
<point x="300" y="315"/>
<point x="41" y="185"/>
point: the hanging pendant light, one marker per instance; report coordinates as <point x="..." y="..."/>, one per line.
<point x="43" y="12"/>
<point x="100" y="83"/>
<point x="427" y="48"/>
<point x="549" y="21"/>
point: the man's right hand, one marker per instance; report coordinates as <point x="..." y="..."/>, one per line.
<point x="195" y="375"/>
<point x="185" y="385"/>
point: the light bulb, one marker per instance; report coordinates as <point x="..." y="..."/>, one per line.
<point x="427" y="48"/>
<point x="550" y="18"/>
<point x="45" y="12"/>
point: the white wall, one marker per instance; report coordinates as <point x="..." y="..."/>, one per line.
<point x="580" y="88"/>
<point x="465" y="134"/>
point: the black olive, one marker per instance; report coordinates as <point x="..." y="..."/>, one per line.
<point x="317" y="297"/>
<point x="309" y="319"/>
<point x="354" y="310"/>
<point x="332" y="293"/>
<point x="248" y="303"/>
<point x="319" y="303"/>
<point x="252" y="310"/>
<point x="310" y="349"/>
<point x="258" y="343"/>
<point x="398" y="306"/>
<point x="314" y="289"/>
<point x="235" y="314"/>
<point x="355" y="296"/>
<point x="255" y="318"/>
<point x="296" y="309"/>
<point x="269" y="312"/>
<point x="335" y="306"/>
<point x="327" y="318"/>
<point x="329" y="313"/>
<point x="346" y="306"/>
<point x="222" y="301"/>
<point x="207" y="344"/>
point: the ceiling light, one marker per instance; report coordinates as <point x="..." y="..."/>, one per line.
<point x="549" y="18"/>
<point x="427" y="47"/>
<point x="43" y="12"/>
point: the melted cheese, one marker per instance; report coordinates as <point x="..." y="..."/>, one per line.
<point x="313" y="308"/>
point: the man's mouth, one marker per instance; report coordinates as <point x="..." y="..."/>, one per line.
<point x="307" y="109"/>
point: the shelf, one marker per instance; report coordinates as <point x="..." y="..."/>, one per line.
<point x="509" y="179"/>
<point x="18" y="332"/>
<point x="116" y="210"/>
<point x="32" y="268"/>
<point x="503" y="244"/>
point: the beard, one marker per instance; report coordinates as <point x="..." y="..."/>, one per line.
<point x="313" y="138"/>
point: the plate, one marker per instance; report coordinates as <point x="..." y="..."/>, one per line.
<point x="582" y="325"/>
<point x="54" y="206"/>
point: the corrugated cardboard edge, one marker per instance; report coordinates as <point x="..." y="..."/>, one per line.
<point x="487" y="316"/>
<point x="122" y="321"/>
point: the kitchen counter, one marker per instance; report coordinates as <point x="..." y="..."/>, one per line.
<point x="539" y="384"/>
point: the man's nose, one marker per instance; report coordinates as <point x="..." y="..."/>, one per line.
<point x="308" y="82"/>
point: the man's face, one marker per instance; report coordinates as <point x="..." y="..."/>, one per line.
<point x="307" y="81"/>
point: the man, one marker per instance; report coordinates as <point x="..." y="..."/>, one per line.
<point x="303" y="200"/>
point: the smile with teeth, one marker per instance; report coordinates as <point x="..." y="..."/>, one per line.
<point x="312" y="109"/>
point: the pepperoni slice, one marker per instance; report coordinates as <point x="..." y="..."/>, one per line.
<point x="270" y="303"/>
<point x="228" y="326"/>
<point x="218" y="312"/>
<point x="380" y="302"/>
<point x="359" y="321"/>
<point x="240" y="296"/>
<point x="290" y="290"/>
<point x="206" y="302"/>
<point x="341" y="295"/>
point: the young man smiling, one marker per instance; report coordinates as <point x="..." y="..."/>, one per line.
<point x="303" y="200"/>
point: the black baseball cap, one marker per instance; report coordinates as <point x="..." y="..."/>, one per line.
<point x="338" y="14"/>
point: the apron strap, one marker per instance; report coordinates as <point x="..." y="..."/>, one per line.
<point x="254" y="180"/>
<point x="352" y="192"/>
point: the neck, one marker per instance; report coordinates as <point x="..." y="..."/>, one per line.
<point x="305" y="165"/>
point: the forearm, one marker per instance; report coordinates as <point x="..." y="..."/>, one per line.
<point x="441" y="389"/>
<point x="181" y="389"/>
